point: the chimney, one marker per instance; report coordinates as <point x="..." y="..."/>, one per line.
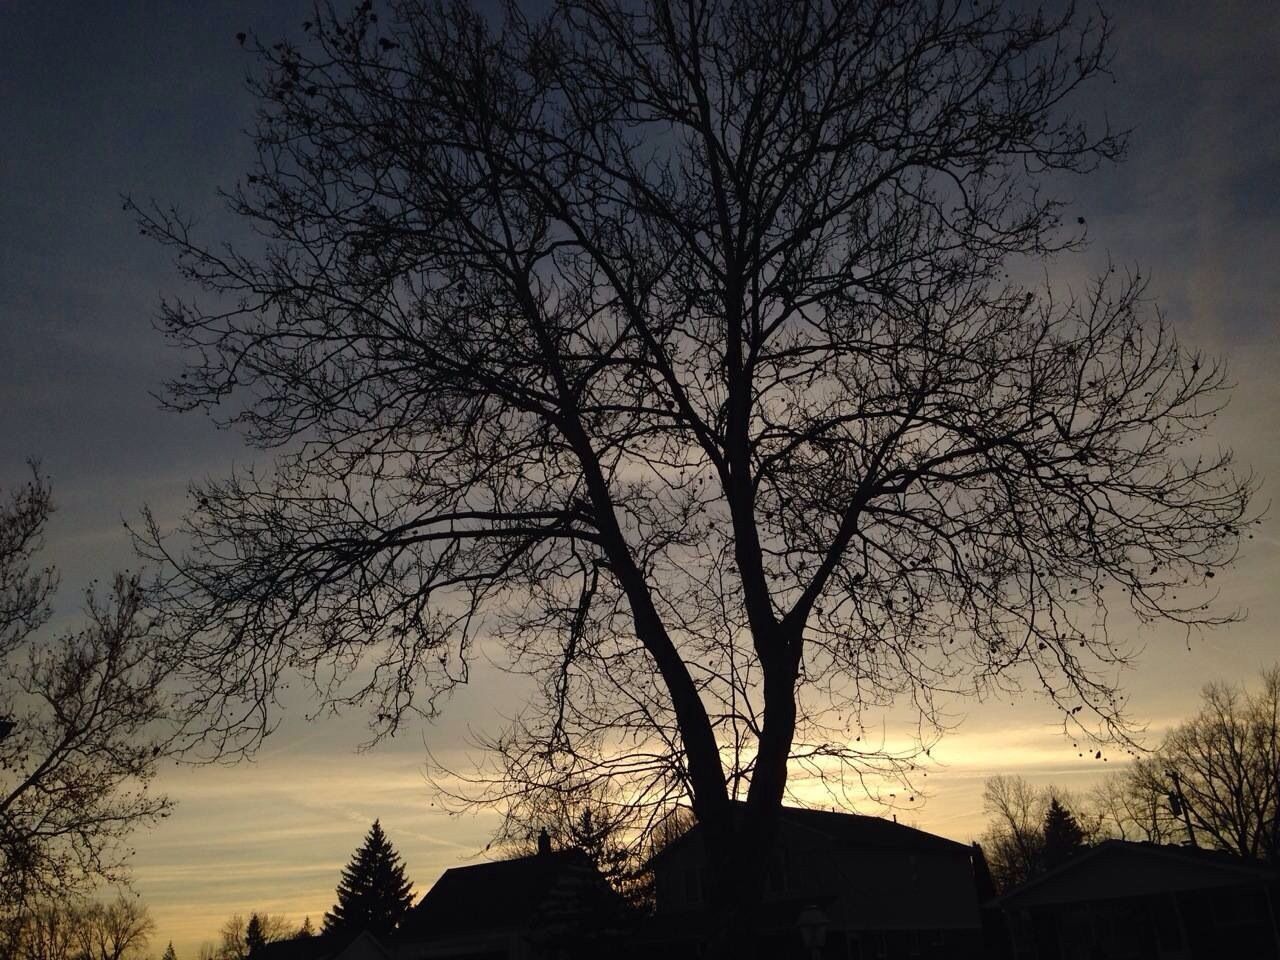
<point x="544" y="842"/>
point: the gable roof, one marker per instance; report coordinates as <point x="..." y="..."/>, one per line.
<point x="324" y="946"/>
<point x="850" y="830"/>
<point x="1212" y="867"/>
<point x="297" y="948"/>
<point x="859" y="830"/>
<point x="364" y="946"/>
<point x="506" y="895"/>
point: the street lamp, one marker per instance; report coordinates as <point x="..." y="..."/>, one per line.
<point x="813" y="929"/>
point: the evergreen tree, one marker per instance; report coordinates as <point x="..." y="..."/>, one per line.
<point x="1062" y="834"/>
<point x="306" y="930"/>
<point x="169" y="953"/>
<point x="599" y="838"/>
<point x="373" y="894"/>
<point x="254" y="936"/>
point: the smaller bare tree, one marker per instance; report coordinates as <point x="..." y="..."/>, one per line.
<point x="235" y="941"/>
<point x="232" y="942"/>
<point x="1133" y="804"/>
<point x="79" y="930"/>
<point x="1220" y="770"/>
<point x="84" y="721"/>
<point x="115" y="930"/>
<point x="1023" y="834"/>
<point x="1227" y="762"/>
<point x="1013" y="841"/>
<point x="48" y="932"/>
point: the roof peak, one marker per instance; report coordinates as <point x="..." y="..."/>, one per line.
<point x="852" y="829"/>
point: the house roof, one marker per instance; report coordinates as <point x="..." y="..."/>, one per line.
<point x="363" y="946"/>
<point x="855" y="829"/>
<point x="1211" y="866"/>
<point x="324" y="946"/>
<point x="505" y="895"/>
<point x="296" y="948"/>
<point x="851" y="830"/>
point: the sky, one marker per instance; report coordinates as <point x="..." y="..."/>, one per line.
<point x="146" y="98"/>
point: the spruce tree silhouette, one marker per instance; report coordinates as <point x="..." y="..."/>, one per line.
<point x="1063" y="835"/>
<point x="373" y="893"/>
<point x="254" y="936"/>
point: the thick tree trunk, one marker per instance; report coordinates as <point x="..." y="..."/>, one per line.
<point x="739" y="854"/>
<point x="740" y="848"/>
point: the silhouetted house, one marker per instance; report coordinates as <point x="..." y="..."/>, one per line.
<point x="359" y="946"/>
<point x="551" y="904"/>
<point x="888" y="891"/>
<point x="1143" y="901"/>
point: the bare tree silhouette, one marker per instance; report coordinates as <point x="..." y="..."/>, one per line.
<point x="115" y="930"/>
<point x="84" y="717"/>
<point x="84" y="930"/>
<point x="672" y="349"/>
<point x="238" y="938"/>
<point x="1133" y="804"/>
<point x="1226" y="760"/>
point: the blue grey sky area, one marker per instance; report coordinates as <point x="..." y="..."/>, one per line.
<point x="147" y="98"/>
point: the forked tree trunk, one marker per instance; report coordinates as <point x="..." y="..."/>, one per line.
<point x="740" y="842"/>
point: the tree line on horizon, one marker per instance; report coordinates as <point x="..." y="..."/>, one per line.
<point x="1219" y="770"/>
<point x="1214" y="780"/>
<point x="1227" y="759"/>
<point x="373" y="894"/>
<point x="114" y="929"/>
